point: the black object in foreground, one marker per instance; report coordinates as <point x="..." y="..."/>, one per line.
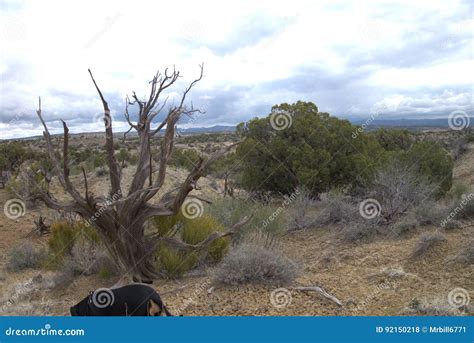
<point x="130" y="300"/>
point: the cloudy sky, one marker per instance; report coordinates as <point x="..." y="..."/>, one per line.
<point x="410" y="59"/>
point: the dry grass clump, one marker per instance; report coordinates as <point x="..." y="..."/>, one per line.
<point x="427" y="242"/>
<point x="257" y="260"/>
<point x="25" y="256"/>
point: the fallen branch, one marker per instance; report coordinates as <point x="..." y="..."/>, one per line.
<point x="320" y="291"/>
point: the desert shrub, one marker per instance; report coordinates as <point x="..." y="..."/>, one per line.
<point x="83" y="258"/>
<point x="470" y="136"/>
<point x="268" y="217"/>
<point x="175" y="262"/>
<point x="360" y="231"/>
<point x="458" y="147"/>
<point x="319" y="162"/>
<point x="25" y="256"/>
<point x="431" y="213"/>
<point x="394" y="139"/>
<point x="125" y="156"/>
<point x="458" y="190"/>
<point x="88" y="258"/>
<point x="63" y="238"/>
<point x="28" y="183"/>
<point x="254" y="262"/>
<point x="427" y="242"/>
<point x="184" y="158"/>
<point x="197" y="230"/>
<point x="397" y="187"/>
<point x="164" y="224"/>
<point x="101" y="171"/>
<point x="432" y="163"/>
<point x="301" y="206"/>
<point x="452" y="225"/>
<point x="13" y="154"/>
<point x="337" y="208"/>
<point x="466" y="207"/>
<point x="227" y="165"/>
<point x="405" y="225"/>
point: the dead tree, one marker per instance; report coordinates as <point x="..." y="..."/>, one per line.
<point x="120" y="219"/>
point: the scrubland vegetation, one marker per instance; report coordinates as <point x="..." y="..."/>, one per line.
<point x="319" y="176"/>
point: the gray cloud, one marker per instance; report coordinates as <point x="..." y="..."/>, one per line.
<point x="338" y="74"/>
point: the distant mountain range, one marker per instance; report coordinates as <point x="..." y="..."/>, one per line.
<point x="215" y="128"/>
<point x="406" y="123"/>
<point x="371" y="124"/>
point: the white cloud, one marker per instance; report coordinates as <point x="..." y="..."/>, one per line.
<point x="362" y="52"/>
<point x="438" y="104"/>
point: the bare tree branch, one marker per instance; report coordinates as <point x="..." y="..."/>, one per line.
<point x="114" y="168"/>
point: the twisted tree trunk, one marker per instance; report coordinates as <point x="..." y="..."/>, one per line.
<point x="121" y="220"/>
